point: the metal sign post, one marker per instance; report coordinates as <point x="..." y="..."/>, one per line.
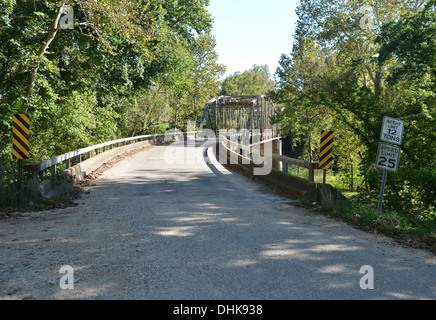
<point x="382" y="191"/>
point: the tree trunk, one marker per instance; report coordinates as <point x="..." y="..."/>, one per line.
<point x="41" y="52"/>
<point x="310" y="148"/>
<point x="306" y="144"/>
<point x="378" y="84"/>
<point x="1" y="173"/>
<point x="352" y="178"/>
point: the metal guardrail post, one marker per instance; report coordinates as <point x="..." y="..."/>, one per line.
<point x="311" y="166"/>
<point x="35" y="176"/>
<point x="311" y="174"/>
<point x="277" y="149"/>
<point x="285" y="167"/>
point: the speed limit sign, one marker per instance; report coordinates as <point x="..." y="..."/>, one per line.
<point x="388" y="157"/>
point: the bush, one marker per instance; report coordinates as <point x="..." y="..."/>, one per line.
<point x="413" y="190"/>
<point x="410" y="191"/>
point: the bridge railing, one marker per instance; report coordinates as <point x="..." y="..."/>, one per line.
<point x="256" y="149"/>
<point x="78" y="154"/>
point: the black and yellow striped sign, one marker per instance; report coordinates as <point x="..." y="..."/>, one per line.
<point x="20" y="141"/>
<point x="326" y="152"/>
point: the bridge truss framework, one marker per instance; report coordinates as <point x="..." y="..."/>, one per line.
<point x="250" y="112"/>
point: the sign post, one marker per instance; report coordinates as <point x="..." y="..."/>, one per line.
<point x="388" y="155"/>
<point x="382" y="191"/>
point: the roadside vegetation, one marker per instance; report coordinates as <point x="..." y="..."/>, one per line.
<point x="352" y="63"/>
<point x="105" y="76"/>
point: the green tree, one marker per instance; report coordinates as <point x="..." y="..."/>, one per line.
<point x="352" y="76"/>
<point x="334" y="64"/>
<point x="205" y="76"/>
<point x="109" y="56"/>
<point x="410" y="44"/>
<point x="178" y="96"/>
<point x="255" y="81"/>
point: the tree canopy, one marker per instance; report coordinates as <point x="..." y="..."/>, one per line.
<point x="84" y="69"/>
<point x="256" y="80"/>
<point x="352" y="63"/>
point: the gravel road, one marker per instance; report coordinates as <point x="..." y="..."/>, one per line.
<point x="153" y="227"/>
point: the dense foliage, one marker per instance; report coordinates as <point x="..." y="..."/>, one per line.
<point x="350" y="66"/>
<point x="90" y="71"/>
<point x="95" y="81"/>
<point x="255" y="81"/>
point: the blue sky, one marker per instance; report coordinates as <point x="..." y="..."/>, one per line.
<point x="252" y="32"/>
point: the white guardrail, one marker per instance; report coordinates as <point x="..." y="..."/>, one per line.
<point x="233" y="145"/>
<point x="51" y="163"/>
<point x="225" y="142"/>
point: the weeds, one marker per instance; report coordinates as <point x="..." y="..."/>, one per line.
<point x="27" y="195"/>
<point x="19" y="196"/>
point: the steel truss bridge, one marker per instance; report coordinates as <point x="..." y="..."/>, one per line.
<point x="245" y="112"/>
<point x="244" y="130"/>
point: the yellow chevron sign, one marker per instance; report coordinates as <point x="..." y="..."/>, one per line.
<point x="20" y="140"/>
<point x="326" y="151"/>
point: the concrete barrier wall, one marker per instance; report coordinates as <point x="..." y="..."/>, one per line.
<point x="81" y="170"/>
<point x="51" y="189"/>
<point x="297" y="187"/>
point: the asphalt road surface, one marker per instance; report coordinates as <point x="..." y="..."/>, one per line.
<point x="156" y="226"/>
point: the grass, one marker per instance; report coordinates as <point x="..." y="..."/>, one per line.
<point x="341" y="180"/>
